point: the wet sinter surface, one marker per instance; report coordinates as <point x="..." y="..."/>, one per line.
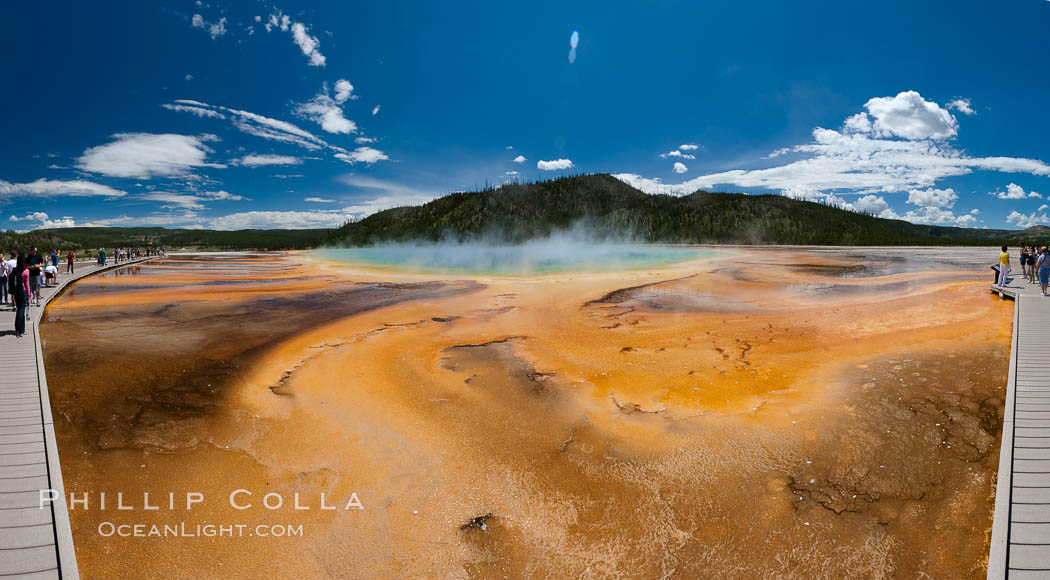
<point x="755" y="413"/>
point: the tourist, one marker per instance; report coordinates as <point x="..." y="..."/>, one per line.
<point x="1004" y="266"/>
<point x="69" y="262"/>
<point x="35" y="263"/>
<point x="4" y="272"/>
<point x="102" y="257"/>
<point x="51" y="275"/>
<point x="18" y="286"/>
<point x="1043" y="264"/>
<point x="54" y="258"/>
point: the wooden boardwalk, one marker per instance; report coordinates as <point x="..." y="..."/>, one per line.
<point x="34" y="542"/>
<point x="1020" y="546"/>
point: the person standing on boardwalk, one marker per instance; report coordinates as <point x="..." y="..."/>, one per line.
<point x="54" y="258"/>
<point x="5" y="270"/>
<point x="69" y="262"/>
<point x="35" y="262"/>
<point x="18" y="286"/>
<point x="1043" y="265"/>
<point x="1004" y="266"/>
<point x="102" y="257"/>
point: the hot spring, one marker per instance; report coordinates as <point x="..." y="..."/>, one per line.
<point x="550" y="256"/>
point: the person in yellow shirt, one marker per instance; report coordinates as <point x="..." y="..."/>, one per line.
<point x="1004" y="266"/>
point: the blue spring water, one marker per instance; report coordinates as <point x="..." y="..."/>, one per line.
<point x="544" y="257"/>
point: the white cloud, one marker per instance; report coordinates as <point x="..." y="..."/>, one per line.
<point x="327" y="112"/>
<point x="387" y="190"/>
<point x="265" y="220"/>
<point x="188" y="77"/>
<point x="258" y="160"/>
<point x="308" y="44"/>
<point x="519" y="159"/>
<point x="1042" y="207"/>
<point x="962" y="105"/>
<point x="509" y="147"/>
<point x="319" y="200"/>
<point x="680" y="167"/>
<point x="1026" y="221"/>
<point x="362" y="139"/>
<point x="375" y="110"/>
<point x="871" y="204"/>
<point x="215" y="29"/>
<point x="186" y="219"/>
<point x="554" y="165"/>
<point x="362" y="155"/>
<point x="859" y="123"/>
<point x="511" y="173"/>
<point x="910" y="116"/>
<point x="54" y="188"/>
<point x="677" y="153"/>
<point x="187" y="201"/>
<point x="1014" y="191"/>
<point x="174" y="200"/>
<point x="857" y="162"/>
<point x="199" y="111"/>
<point x="943" y="198"/>
<point x="43" y="221"/>
<point x="260" y="126"/>
<point x="689" y="147"/>
<point x="145" y="155"/>
<point x="343" y="90"/>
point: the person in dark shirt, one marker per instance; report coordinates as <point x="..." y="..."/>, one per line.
<point x="35" y="263"/>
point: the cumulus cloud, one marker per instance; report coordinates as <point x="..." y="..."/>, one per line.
<point x="146" y="155"/>
<point x="1042" y="207"/>
<point x="910" y="116"/>
<point x="343" y="90"/>
<point x="1026" y="221"/>
<point x="519" y="159"/>
<point x="554" y="165"/>
<point x="43" y="221"/>
<point x="55" y="188"/>
<point x="963" y="106"/>
<point x="375" y="110"/>
<point x="327" y="112"/>
<point x="871" y="204"/>
<point x="861" y="160"/>
<point x="258" y="160"/>
<point x="677" y="153"/>
<point x="942" y="198"/>
<point x="680" y="167"/>
<point x="367" y="155"/>
<point x="689" y="147"/>
<point x="1014" y="191"/>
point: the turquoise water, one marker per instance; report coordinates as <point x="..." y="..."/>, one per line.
<point x="546" y="257"/>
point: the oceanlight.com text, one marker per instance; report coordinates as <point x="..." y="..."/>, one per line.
<point x="184" y="530"/>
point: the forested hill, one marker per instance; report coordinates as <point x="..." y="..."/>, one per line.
<point x="606" y="206"/>
<point x="108" y="237"/>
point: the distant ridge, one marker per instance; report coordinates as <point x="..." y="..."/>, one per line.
<point x="109" y="237"/>
<point x="607" y="207"/>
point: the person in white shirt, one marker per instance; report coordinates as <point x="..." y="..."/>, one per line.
<point x="5" y="270"/>
<point x="50" y="275"/>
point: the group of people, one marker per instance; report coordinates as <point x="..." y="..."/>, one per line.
<point x="1035" y="266"/>
<point x="22" y="276"/>
<point x="20" y="281"/>
<point x="126" y="254"/>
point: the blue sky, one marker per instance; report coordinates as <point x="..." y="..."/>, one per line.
<point x="246" y="114"/>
